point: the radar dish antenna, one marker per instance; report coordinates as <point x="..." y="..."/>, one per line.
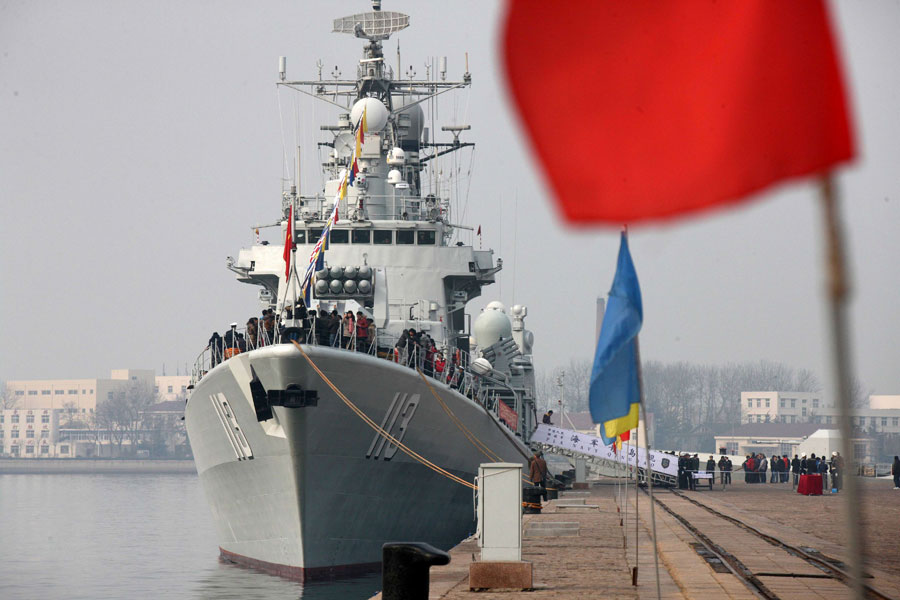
<point x="376" y="25"/>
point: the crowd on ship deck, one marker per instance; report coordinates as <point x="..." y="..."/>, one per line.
<point x="355" y="332"/>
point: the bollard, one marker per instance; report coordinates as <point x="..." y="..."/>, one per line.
<point x="552" y="490"/>
<point x="531" y="500"/>
<point x="404" y="569"/>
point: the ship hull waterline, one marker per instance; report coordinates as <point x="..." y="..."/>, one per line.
<point x="315" y="492"/>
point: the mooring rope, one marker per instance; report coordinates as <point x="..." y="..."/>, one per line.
<point x="409" y="452"/>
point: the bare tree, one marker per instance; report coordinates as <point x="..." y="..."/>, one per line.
<point x="121" y="416"/>
<point x="7" y="396"/>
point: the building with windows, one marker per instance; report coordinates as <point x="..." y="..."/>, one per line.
<point x="54" y="418"/>
<point x="83" y="395"/>
<point x="30" y="433"/>
<point x="880" y="415"/>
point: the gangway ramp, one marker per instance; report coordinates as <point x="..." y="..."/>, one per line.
<point x="574" y="444"/>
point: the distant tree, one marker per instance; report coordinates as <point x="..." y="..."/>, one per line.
<point x="121" y="415"/>
<point x="682" y="396"/>
<point x="7" y="396"/>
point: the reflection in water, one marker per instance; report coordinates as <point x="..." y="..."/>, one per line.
<point x="128" y="536"/>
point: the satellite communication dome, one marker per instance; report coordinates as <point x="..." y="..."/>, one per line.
<point x="394" y="177"/>
<point x="491" y="325"/>
<point x="416" y="119"/>
<point x="376" y="114"/>
<point x="495" y="305"/>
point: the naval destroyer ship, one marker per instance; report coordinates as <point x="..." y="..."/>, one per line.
<point x="314" y="450"/>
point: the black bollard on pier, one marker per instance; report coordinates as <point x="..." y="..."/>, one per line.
<point x="404" y="569"/>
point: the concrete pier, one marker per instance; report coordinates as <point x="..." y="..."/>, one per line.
<point x="589" y="552"/>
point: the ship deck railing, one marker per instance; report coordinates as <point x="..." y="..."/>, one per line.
<point x="455" y="372"/>
<point x="381" y="207"/>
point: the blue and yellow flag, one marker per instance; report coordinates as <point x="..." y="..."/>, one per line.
<point x="615" y="393"/>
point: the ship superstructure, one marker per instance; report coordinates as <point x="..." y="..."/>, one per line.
<point x="314" y="449"/>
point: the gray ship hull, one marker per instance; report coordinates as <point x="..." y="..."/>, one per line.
<point x="315" y="491"/>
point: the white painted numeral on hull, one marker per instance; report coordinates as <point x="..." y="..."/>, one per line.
<point x="232" y="430"/>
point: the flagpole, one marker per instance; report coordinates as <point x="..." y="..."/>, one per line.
<point x="637" y="514"/>
<point x="649" y="472"/>
<point x="838" y="291"/>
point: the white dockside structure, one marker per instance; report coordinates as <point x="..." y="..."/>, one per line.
<point x="314" y="450"/>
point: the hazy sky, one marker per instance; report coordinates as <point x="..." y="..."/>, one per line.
<point x="141" y="140"/>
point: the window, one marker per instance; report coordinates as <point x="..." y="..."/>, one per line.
<point x="803" y="412"/>
<point x="1" y="434"/>
<point x="170" y="387"/>
<point x="314" y="235"/>
<point x="872" y="421"/>
<point x="32" y="392"/>
<point x="815" y="403"/>
<point x="183" y="389"/>
<point x="14" y="419"/>
<point x="406" y="236"/>
<point x="29" y="433"/>
<point x="73" y="392"/>
<point x="828" y="420"/>
<point x="793" y="403"/>
<point x="29" y="450"/>
<point x="15" y="434"/>
<point x="361" y="236"/>
<point x="45" y="418"/>
<point x="20" y="392"/>
<point x="2" y="418"/>
<point x="884" y="421"/>
<point x="340" y="236"/>
<point x="59" y="392"/>
<point x="155" y="389"/>
<point x="749" y="402"/>
<point x="109" y="395"/>
<point x="29" y="418"/>
<point x="804" y="401"/>
<point x="758" y="402"/>
<point x="767" y="403"/>
<point x="45" y="392"/>
<point x="45" y="450"/>
<point x="45" y="434"/>
<point x="896" y="421"/>
<point x="380" y="236"/>
<point x="425" y="237"/>
<point x="782" y="403"/>
<point x="301" y="236"/>
<point x="64" y="449"/>
<point x="859" y="451"/>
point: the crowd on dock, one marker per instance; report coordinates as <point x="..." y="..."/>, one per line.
<point x="760" y="469"/>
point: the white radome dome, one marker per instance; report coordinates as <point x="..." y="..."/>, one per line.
<point x="491" y="325"/>
<point x="376" y="114"/>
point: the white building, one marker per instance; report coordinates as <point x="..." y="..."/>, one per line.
<point x="882" y="415"/>
<point x="51" y="418"/>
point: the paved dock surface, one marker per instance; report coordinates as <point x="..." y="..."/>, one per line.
<point x="583" y="546"/>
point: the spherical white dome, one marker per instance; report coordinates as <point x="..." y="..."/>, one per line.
<point x="491" y="325"/>
<point x="376" y="114"/>
<point x="495" y="305"/>
<point x="394" y="177"/>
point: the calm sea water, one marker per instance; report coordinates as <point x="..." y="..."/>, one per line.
<point x="127" y="536"/>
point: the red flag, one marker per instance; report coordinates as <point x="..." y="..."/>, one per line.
<point x="288" y="244"/>
<point x="479" y="230"/>
<point x="645" y="110"/>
